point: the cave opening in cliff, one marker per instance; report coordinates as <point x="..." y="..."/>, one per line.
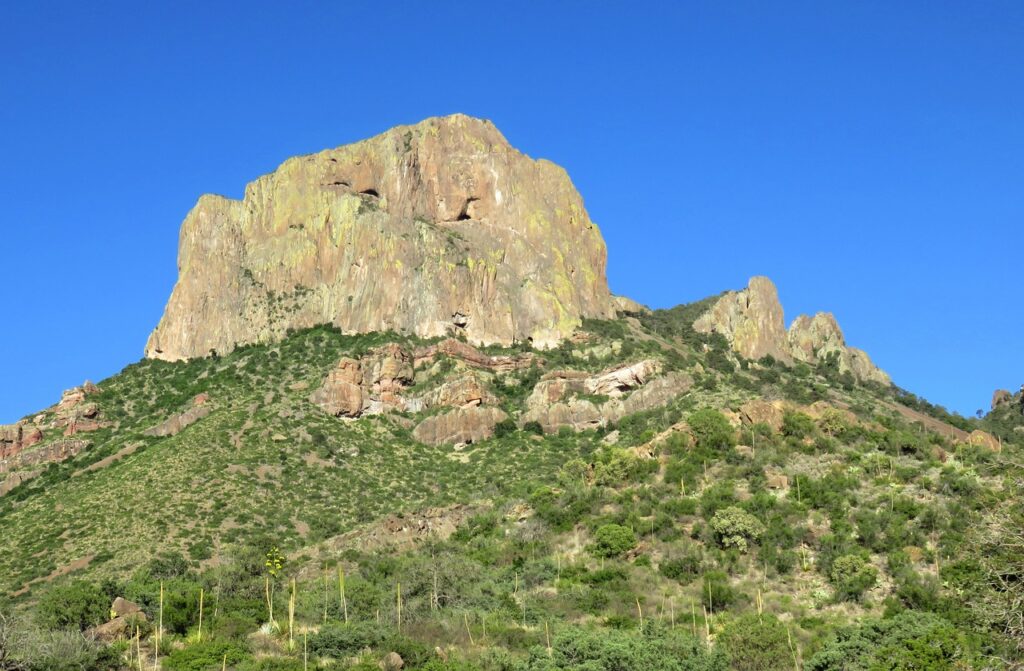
<point x="464" y="212"/>
<point x="370" y="192"/>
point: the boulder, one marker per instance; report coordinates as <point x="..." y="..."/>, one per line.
<point x="759" y="411"/>
<point x="122" y="608"/>
<point x="629" y="306"/>
<point x="776" y="480"/>
<point x="459" y="426"/>
<point x="433" y="229"/>
<point x="173" y="425"/>
<point x="341" y="393"/>
<point x="619" y="380"/>
<point x="392" y="662"/>
<point x="984" y="439"/>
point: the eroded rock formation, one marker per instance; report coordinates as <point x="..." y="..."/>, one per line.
<point x="436" y="228"/>
<point x="753" y="322"/>
<point x="461" y="425"/>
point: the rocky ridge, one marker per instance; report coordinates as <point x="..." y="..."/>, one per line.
<point x="752" y="320"/>
<point x="433" y="229"/>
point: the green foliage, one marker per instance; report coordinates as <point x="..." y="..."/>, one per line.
<point x="612" y="540"/>
<point x="204" y="656"/>
<point x="712" y="430"/>
<point x="735" y="527"/>
<point x="908" y="641"/>
<point x="579" y="649"/>
<point x="76" y="605"/>
<point x="851" y="576"/>
<point x="757" y="643"/>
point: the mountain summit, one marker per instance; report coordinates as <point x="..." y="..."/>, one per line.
<point x="433" y="229"/>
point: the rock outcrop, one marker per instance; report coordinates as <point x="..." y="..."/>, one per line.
<point x="566" y="398"/>
<point x="459" y="426"/>
<point x="437" y="228"/>
<point x="1001" y="397"/>
<point x="173" y="425"/>
<point x="371" y="385"/>
<point x="753" y="322"/>
<point x="466" y="353"/>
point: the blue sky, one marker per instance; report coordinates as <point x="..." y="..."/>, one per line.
<point x="867" y="156"/>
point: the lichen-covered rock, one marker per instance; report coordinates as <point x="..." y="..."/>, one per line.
<point x="753" y="322"/>
<point x="461" y="425"/>
<point x="436" y="228"/>
<point x="813" y="339"/>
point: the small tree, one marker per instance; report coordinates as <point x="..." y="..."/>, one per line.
<point x="734" y="527"/>
<point x="611" y="540"/>
<point x="851" y="576"/>
<point x="712" y="430"/>
<point x="757" y="643"/>
<point x="77" y="605"/>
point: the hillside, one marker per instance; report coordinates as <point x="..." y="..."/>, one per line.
<point x="392" y="418"/>
<point x="787" y="494"/>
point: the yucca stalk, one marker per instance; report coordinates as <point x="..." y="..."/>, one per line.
<point x="341" y="592"/>
<point x="199" y="635"/>
<point x="291" y="618"/>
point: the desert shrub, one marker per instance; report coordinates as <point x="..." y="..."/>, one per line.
<point x="851" y="576"/>
<point x="684" y="569"/>
<point x="712" y="430"/>
<point x="611" y="540"/>
<point x="344" y="640"/>
<point x="734" y="528"/>
<point x="205" y="655"/>
<point x="76" y="605"/>
<point x="756" y="643"/>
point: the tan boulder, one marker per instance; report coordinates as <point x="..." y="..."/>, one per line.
<point x="341" y="393"/>
<point x="392" y="662"/>
<point x="621" y="379"/>
<point x="759" y="411"/>
<point x="629" y="306"/>
<point x="776" y="480"/>
<point x="123" y="607"/>
<point x="434" y="229"/>
<point x="173" y="425"/>
<point x="984" y="439"/>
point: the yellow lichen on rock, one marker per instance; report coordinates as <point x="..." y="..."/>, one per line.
<point x="429" y="229"/>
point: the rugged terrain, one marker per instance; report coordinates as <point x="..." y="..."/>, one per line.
<point x="501" y="469"/>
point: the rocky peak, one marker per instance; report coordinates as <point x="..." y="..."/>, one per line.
<point x="437" y="228"/>
<point x="752" y="321"/>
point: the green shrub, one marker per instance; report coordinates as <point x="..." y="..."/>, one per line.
<point x="851" y="576"/>
<point x="204" y="656"/>
<point x="611" y="540"/>
<point x="344" y="640"/>
<point x="76" y="605"/>
<point x="712" y="430"/>
<point x="756" y="643"/>
<point x="734" y="527"/>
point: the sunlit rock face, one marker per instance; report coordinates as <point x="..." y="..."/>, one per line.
<point x="434" y="229"/>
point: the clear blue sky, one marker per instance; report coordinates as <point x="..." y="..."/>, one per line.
<point x="868" y="156"/>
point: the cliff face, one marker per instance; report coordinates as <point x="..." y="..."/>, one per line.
<point x="434" y="229"/>
<point x="752" y="321"/>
